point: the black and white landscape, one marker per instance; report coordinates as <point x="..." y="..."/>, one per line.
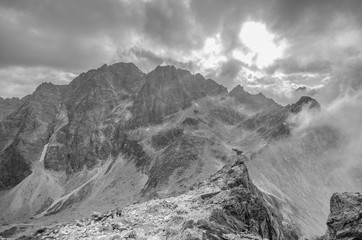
<point x="189" y="119"/>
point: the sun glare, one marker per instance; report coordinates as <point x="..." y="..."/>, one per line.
<point x="261" y="43"/>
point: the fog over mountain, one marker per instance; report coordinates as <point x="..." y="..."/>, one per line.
<point x="191" y="119"/>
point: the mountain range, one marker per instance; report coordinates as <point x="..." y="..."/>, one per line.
<point x="116" y="136"/>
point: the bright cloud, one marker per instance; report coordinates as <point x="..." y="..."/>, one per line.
<point x="261" y="43"/>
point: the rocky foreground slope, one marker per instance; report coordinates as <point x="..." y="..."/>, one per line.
<point x="226" y="205"/>
<point x="345" y="219"/>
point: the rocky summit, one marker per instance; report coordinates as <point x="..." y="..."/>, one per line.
<point x="166" y="155"/>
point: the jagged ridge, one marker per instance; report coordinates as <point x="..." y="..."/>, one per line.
<point x="224" y="206"/>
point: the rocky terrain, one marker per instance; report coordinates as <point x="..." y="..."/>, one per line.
<point x="345" y="218"/>
<point x="224" y="206"/>
<point x="115" y="136"/>
<point x="8" y="105"/>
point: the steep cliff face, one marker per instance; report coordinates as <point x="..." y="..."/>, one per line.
<point x="102" y="105"/>
<point x="168" y="90"/>
<point x="92" y="117"/>
<point x="24" y="132"/>
<point x="345" y="218"/>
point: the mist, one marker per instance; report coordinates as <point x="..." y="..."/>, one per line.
<point x="321" y="156"/>
<point x="344" y="115"/>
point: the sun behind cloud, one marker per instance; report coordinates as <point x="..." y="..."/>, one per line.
<point x="262" y="45"/>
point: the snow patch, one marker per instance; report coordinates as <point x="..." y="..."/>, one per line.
<point x="42" y="156"/>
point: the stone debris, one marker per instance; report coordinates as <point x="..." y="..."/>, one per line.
<point x="225" y="206"/>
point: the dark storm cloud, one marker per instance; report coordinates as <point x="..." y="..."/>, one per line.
<point x="320" y="33"/>
<point x="82" y="34"/>
<point x="294" y="17"/>
<point x="170" y="23"/>
<point x="65" y="34"/>
<point x="74" y="36"/>
<point x="68" y="33"/>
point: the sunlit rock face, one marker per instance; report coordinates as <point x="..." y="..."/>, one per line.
<point x="115" y="136"/>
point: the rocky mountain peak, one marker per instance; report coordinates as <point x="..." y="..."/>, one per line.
<point x="261" y="94"/>
<point x="126" y="76"/>
<point x="24" y="131"/>
<point x="163" y="75"/>
<point x="168" y="90"/>
<point x="10" y="99"/>
<point x="165" y="68"/>
<point x="44" y="86"/>
<point x="125" y="66"/>
<point x="304" y="101"/>
<point x="250" y="101"/>
<point x="237" y="90"/>
<point x="104" y="66"/>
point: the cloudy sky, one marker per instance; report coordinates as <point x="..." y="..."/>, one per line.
<point x="283" y="48"/>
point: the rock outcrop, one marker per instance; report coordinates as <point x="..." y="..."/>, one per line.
<point x="168" y="90"/>
<point x="226" y="205"/>
<point x="251" y="101"/>
<point x="271" y="120"/>
<point x="24" y="132"/>
<point x="304" y="101"/>
<point x="8" y="105"/>
<point x="92" y="117"/>
<point x="345" y="219"/>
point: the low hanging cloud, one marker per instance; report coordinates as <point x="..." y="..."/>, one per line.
<point x="344" y="116"/>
